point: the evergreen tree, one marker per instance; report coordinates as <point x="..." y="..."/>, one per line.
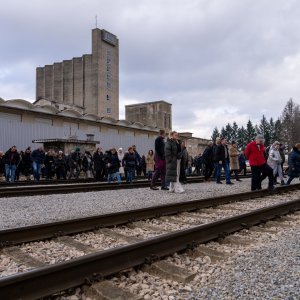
<point x="250" y="132"/>
<point x="272" y="130"/>
<point x="234" y="134"/>
<point x="223" y="133"/>
<point x="229" y="132"/>
<point x="215" y="134"/>
<point x="242" y="138"/>
<point x="264" y="128"/>
<point x="290" y="120"/>
<point x="277" y="131"/>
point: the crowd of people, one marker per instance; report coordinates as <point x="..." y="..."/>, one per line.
<point x="170" y="162"/>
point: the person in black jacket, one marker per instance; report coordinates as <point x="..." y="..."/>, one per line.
<point x="222" y="158"/>
<point x="11" y="160"/>
<point x="99" y="165"/>
<point x="130" y="163"/>
<point x="160" y="162"/>
<point x="113" y="165"/>
<point x="242" y="162"/>
<point x="208" y="161"/>
<point x="49" y="164"/>
<point x="27" y="170"/>
<point x="1" y="163"/>
<point x="60" y="165"/>
<point x="37" y="158"/>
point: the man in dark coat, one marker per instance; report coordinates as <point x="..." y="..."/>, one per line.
<point x="183" y="163"/>
<point x="160" y="162"/>
<point x="294" y="163"/>
<point x="222" y="158"/>
<point x="1" y="163"/>
<point x="207" y="161"/>
<point x="11" y="160"/>
<point x="99" y="164"/>
<point x="37" y="158"/>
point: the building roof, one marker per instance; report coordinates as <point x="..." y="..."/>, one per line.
<point x="24" y="105"/>
<point x="147" y="103"/>
<point x="67" y="141"/>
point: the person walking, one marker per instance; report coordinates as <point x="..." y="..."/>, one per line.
<point x="11" y="160"/>
<point x="27" y="168"/>
<point x="99" y="165"/>
<point x="183" y="163"/>
<point x="274" y="161"/>
<point x="113" y="166"/>
<point x="207" y="161"/>
<point x="222" y="158"/>
<point x="60" y="166"/>
<point x="255" y="153"/>
<point x="173" y="158"/>
<point x="160" y="162"/>
<point x="234" y="160"/>
<point x="2" y="165"/>
<point x="242" y="163"/>
<point x="130" y="163"/>
<point x="37" y="158"/>
<point x="294" y="163"/>
<point x="150" y="164"/>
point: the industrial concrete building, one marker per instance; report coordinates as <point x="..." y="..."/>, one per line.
<point x="88" y="84"/>
<point x="21" y="122"/>
<point x="157" y="113"/>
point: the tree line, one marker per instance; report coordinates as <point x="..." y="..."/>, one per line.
<point x="285" y="129"/>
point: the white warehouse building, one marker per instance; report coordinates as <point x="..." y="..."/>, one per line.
<point x="21" y="122"/>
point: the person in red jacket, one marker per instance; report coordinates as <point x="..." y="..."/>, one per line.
<point x="255" y="153"/>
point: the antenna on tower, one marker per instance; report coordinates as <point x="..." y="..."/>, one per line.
<point x="96" y="21"/>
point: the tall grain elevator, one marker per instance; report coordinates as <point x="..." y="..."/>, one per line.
<point x="89" y="83"/>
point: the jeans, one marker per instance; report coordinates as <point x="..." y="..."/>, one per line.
<point x="112" y="176"/>
<point x="36" y="167"/>
<point x="130" y="174"/>
<point x="225" y="166"/>
<point x="10" y="172"/>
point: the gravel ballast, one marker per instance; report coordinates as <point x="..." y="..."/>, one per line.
<point x="31" y="210"/>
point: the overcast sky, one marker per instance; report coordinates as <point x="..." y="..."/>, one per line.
<point x="216" y="61"/>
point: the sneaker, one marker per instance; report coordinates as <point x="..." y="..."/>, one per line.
<point x="154" y="188"/>
<point x="164" y="188"/>
<point x="282" y="182"/>
<point x="271" y="188"/>
<point x="219" y="182"/>
<point x="230" y="183"/>
<point x="239" y="180"/>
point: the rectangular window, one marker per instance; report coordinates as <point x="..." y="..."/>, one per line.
<point x="108" y="110"/>
<point x="107" y="97"/>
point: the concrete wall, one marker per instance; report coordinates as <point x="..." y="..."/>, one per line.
<point x="78" y="81"/>
<point x="40" y="82"/>
<point x="68" y="81"/>
<point x="152" y="113"/>
<point x="57" y="81"/>
<point x="49" y="81"/>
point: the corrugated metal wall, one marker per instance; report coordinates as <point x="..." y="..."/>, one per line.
<point x="15" y="132"/>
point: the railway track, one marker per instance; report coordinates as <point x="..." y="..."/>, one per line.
<point x="80" y="180"/>
<point x="15" y="190"/>
<point x="141" y="235"/>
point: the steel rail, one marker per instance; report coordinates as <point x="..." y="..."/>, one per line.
<point x="4" y="184"/>
<point x="51" y="279"/>
<point x="16" y="191"/>
<point x="19" y="235"/>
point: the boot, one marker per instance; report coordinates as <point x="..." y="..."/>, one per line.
<point x="282" y="182"/>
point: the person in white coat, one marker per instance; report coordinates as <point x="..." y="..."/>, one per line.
<point x="274" y="161"/>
